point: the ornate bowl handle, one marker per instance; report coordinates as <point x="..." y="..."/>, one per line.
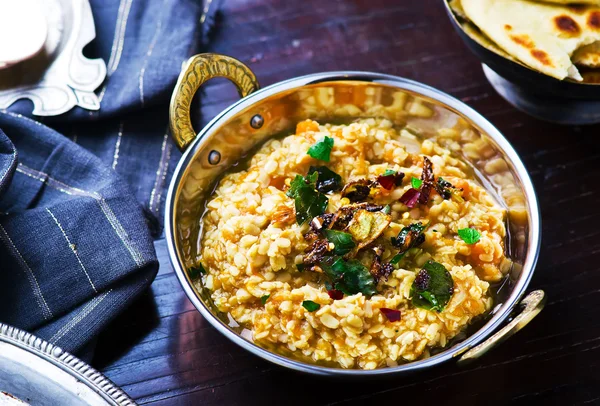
<point x="532" y="305"/>
<point x="195" y="71"/>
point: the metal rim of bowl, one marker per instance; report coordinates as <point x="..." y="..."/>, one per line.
<point x="402" y="84"/>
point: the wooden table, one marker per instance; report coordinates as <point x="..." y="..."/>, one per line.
<point x="163" y="351"/>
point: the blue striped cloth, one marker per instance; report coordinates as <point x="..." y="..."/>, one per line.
<point x="81" y="195"/>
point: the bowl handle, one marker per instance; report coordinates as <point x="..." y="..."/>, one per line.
<point x="194" y="72"/>
<point x="532" y="305"/>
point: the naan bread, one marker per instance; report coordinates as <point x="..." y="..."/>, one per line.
<point x="594" y="2"/>
<point x="542" y="36"/>
<point x="588" y="56"/>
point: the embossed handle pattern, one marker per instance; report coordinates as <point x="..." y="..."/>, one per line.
<point x="197" y="70"/>
<point x="532" y="305"/>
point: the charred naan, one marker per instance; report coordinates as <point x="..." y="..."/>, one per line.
<point x="542" y="36"/>
<point x="567" y="2"/>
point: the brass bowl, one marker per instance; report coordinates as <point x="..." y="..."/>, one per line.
<point x="340" y="96"/>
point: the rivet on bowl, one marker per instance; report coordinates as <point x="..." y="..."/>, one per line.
<point x="257" y="121"/>
<point x="214" y="157"/>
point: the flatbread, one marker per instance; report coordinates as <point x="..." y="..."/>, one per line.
<point x="475" y="33"/>
<point x="542" y="36"/>
<point x="588" y="56"/>
<point x="577" y="2"/>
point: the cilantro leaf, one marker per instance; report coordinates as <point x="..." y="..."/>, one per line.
<point x="416" y="183"/>
<point x="327" y="180"/>
<point x="342" y="241"/>
<point x="309" y="203"/>
<point x="322" y="149"/>
<point x="469" y="235"/>
<point x="264" y="299"/>
<point x="311" y="306"/>
<point x="350" y="277"/>
<point x="433" y="287"/>
<point x="389" y="172"/>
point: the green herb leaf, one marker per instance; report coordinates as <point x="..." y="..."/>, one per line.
<point x="264" y="299"/>
<point x="387" y="209"/>
<point x="343" y="241"/>
<point x="196" y="271"/>
<point x="416" y="183"/>
<point x="410" y="236"/>
<point x="433" y="287"/>
<point x="322" y="149"/>
<point x="388" y="172"/>
<point x="396" y="258"/>
<point x="328" y="180"/>
<point x="309" y="203"/>
<point x="469" y="235"/>
<point x="447" y="189"/>
<point x="350" y="277"/>
<point x="300" y="182"/>
<point x="311" y="306"/>
<point x="300" y="267"/>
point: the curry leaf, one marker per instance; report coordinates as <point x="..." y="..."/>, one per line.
<point x="396" y="258"/>
<point x="342" y="241"/>
<point x="309" y="203"/>
<point x="311" y="306"/>
<point x="410" y="236"/>
<point x="328" y="180"/>
<point x="433" y="287"/>
<point x="322" y="149"/>
<point x="350" y="277"/>
<point x="446" y="189"/>
<point x="196" y="271"/>
<point x="469" y="235"/>
<point x="264" y="299"/>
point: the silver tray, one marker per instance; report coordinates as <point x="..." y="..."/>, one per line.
<point x="40" y="373"/>
<point x="59" y="77"/>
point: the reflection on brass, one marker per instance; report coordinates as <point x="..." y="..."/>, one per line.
<point x="532" y="305"/>
<point x="196" y="71"/>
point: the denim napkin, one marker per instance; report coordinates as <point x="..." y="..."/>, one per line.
<point x="81" y="194"/>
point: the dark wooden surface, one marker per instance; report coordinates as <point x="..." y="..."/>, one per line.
<point x="162" y="350"/>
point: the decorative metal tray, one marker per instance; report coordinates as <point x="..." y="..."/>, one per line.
<point x="59" y="77"/>
<point x="39" y="373"/>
